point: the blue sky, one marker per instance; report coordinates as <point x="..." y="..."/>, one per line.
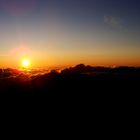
<point x="89" y="29"/>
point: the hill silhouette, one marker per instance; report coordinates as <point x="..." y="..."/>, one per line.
<point x="80" y="81"/>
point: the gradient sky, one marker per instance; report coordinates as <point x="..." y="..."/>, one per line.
<point x="68" y="32"/>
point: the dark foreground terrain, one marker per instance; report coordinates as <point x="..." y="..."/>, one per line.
<point x="80" y="82"/>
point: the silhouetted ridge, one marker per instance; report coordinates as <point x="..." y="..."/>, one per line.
<point x="79" y="81"/>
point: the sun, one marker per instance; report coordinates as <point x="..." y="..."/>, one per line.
<point x="25" y="63"/>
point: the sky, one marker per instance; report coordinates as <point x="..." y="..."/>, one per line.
<point x="69" y="32"/>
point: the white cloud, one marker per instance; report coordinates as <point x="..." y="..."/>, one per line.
<point x="113" y="21"/>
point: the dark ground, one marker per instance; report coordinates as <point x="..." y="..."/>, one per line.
<point x="79" y="82"/>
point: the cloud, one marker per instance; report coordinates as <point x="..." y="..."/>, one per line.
<point x="113" y="21"/>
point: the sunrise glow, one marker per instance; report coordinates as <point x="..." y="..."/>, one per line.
<point x="25" y="63"/>
<point x="69" y="32"/>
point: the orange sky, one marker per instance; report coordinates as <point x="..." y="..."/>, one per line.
<point x="65" y="33"/>
<point x="106" y="57"/>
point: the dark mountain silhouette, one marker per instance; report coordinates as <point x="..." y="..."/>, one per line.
<point x="85" y="82"/>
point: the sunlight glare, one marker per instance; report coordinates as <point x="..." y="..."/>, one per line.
<point x="25" y="63"/>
